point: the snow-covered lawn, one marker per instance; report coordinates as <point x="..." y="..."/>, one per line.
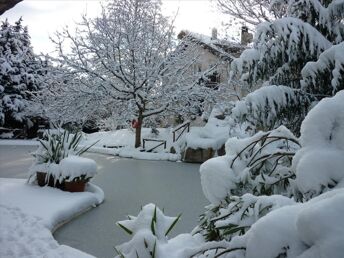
<point x="29" y="214"/>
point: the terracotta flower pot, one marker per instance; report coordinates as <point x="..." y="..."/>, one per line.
<point x="75" y="186"/>
<point x="41" y="181"/>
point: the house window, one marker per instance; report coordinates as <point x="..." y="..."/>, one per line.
<point x="213" y="80"/>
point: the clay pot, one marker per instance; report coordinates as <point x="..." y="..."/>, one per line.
<point x="75" y="186"/>
<point x="41" y="181"/>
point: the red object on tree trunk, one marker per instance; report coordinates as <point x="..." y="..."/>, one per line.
<point x="135" y="124"/>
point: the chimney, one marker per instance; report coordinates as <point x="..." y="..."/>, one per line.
<point x="214" y="34"/>
<point x="246" y="37"/>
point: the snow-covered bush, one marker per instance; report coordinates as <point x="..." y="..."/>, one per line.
<point x="237" y="183"/>
<point x="307" y="230"/>
<point x="276" y="226"/>
<point x="237" y="215"/>
<point x="149" y="231"/>
<point x="319" y="165"/>
<point x="271" y="106"/>
<point x="259" y="165"/>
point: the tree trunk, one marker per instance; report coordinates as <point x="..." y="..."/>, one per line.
<point x="138" y="132"/>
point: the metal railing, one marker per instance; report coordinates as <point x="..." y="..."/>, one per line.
<point x="184" y="126"/>
<point x="161" y="142"/>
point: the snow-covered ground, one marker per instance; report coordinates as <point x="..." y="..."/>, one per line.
<point x="121" y="142"/>
<point x="29" y="214"/>
<point x="19" y="142"/>
<point x="128" y="184"/>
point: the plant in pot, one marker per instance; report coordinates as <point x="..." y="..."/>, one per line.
<point x="56" y="145"/>
<point x="76" y="172"/>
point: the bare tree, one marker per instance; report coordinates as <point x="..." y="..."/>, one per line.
<point x="251" y="12"/>
<point x="127" y="60"/>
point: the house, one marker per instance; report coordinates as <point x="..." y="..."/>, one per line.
<point x="217" y="53"/>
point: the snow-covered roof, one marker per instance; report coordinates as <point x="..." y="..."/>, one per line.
<point x="224" y="49"/>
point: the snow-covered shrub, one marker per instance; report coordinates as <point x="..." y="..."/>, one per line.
<point x="234" y="184"/>
<point x="306" y="230"/>
<point x="271" y="106"/>
<point x="312" y="229"/>
<point x="149" y="231"/>
<point x="259" y="165"/>
<point x="319" y="165"/>
<point x="236" y="215"/>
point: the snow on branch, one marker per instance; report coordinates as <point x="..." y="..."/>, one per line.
<point x="325" y="16"/>
<point x="128" y="59"/>
<point x="325" y="76"/>
<point x="319" y="163"/>
<point x="271" y="106"/>
<point x="278" y="44"/>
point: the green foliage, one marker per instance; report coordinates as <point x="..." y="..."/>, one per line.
<point x="269" y="107"/>
<point x="148" y="230"/>
<point x="236" y="215"/>
<point x="263" y="183"/>
<point x="58" y="144"/>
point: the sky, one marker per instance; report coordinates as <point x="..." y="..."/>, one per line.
<point x="45" y="17"/>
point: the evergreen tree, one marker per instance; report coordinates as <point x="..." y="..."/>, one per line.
<point x="20" y="73"/>
<point x="303" y="50"/>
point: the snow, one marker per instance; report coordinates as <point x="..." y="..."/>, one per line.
<point x="19" y="142"/>
<point x="149" y="232"/>
<point x="319" y="164"/>
<point x="122" y="142"/>
<point x="50" y="204"/>
<point x="217" y="179"/>
<point x="20" y="72"/>
<point x="268" y="236"/>
<point x="212" y="135"/>
<point x="49" y="168"/>
<point x="221" y="176"/>
<point x="312" y="229"/>
<point x="74" y="166"/>
<point x="278" y="46"/>
<point x="29" y="213"/>
<point x="26" y="236"/>
<point x="254" y="207"/>
<point x="330" y="61"/>
<point x="265" y="107"/>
